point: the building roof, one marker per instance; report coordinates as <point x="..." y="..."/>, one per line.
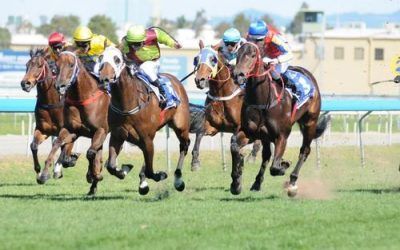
<point x="28" y="39"/>
<point x="388" y="32"/>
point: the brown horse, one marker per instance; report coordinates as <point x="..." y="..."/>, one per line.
<point x="48" y="111"/>
<point x="268" y="114"/>
<point x="135" y="116"/>
<point x="85" y="113"/>
<point x="224" y="99"/>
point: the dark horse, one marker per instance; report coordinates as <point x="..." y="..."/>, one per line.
<point x="224" y="99"/>
<point x="268" y="114"/>
<point x="48" y="111"/>
<point x="135" y="116"/>
<point x="85" y="113"/>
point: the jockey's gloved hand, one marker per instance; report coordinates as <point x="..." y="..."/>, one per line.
<point x="177" y="45"/>
<point x="268" y="60"/>
<point x="397" y="79"/>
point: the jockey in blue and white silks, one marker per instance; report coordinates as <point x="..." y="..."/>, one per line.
<point x="229" y="45"/>
<point x="278" y="52"/>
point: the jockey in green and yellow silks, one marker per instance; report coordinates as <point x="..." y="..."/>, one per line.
<point x="142" y="47"/>
<point x="91" y="47"/>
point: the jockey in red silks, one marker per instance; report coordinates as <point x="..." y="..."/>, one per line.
<point x="57" y="43"/>
<point x="277" y="52"/>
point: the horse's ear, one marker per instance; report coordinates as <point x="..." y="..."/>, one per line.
<point x="31" y="53"/>
<point x="201" y="44"/>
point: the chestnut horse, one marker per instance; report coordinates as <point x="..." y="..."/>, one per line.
<point x="85" y="113"/>
<point x="224" y="99"/>
<point x="135" y="116"/>
<point x="268" y="114"/>
<point x="48" y="111"/>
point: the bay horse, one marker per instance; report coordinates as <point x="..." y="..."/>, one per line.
<point x="268" y="113"/>
<point x="85" y="113"/>
<point x="224" y="99"/>
<point x="48" y="112"/>
<point x="135" y="116"/>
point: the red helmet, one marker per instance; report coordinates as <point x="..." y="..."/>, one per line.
<point x="56" y="38"/>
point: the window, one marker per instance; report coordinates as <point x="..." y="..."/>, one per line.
<point x="339" y="53"/>
<point x="358" y="53"/>
<point x="379" y="54"/>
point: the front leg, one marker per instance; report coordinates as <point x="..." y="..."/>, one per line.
<point x="238" y="141"/>
<point x="116" y="142"/>
<point x="38" y="138"/>
<point x="97" y="143"/>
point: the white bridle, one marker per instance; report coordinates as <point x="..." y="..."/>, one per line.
<point x="75" y="72"/>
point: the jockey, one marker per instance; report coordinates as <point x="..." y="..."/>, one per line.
<point x="142" y="47"/>
<point x="57" y="44"/>
<point x="229" y="46"/>
<point x="91" y="47"/>
<point x="277" y="52"/>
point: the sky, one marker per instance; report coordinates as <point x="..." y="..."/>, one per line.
<point x="141" y="10"/>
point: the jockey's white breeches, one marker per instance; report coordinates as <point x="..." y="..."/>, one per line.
<point x="151" y="69"/>
<point x="280" y="68"/>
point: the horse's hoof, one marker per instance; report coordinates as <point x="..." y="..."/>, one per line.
<point x="42" y="178"/>
<point x="256" y="187"/>
<point x="179" y="185"/>
<point x="277" y="171"/>
<point x="292" y="190"/>
<point x="236" y="190"/>
<point x="92" y="192"/>
<point x="285" y="164"/>
<point x="195" y="166"/>
<point x="126" y="168"/>
<point x="58" y="175"/>
<point x="160" y="176"/>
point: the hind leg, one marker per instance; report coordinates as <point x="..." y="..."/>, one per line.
<point x="308" y="135"/>
<point x="184" y="142"/>
<point x="195" y="152"/>
<point x="238" y="141"/>
<point x="38" y="138"/>
<point x="251" y="158"/>
<point x="266" y="156"/>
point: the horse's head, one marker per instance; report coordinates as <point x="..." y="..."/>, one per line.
<point x="111" y="65"/>
<point x="206" y="63"/>
<point x="35" y="70"/>
<point x="248" y="61"/>
<point x="68" y="65"/>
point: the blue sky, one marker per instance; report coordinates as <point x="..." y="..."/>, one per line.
<point x="141" y="10"/>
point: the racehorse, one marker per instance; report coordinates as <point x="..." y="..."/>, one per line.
<point x="268" y="114"/>
<point x="85" y="113"/>
<point x="48" y="111"/>
<point x="135" y="116"/>
<point x="224" y="99"/>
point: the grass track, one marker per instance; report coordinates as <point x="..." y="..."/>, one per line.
<point x="340" y="206"/>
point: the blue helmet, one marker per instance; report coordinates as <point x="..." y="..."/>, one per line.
<point x="258" y="29"/>
<point x="231" y="35"/>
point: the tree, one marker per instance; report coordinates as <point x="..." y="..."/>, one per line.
<point x="181" y="22"/>
<point x="199" y="21"/>
<point x="241" y="22"/>
<point x="101" y="24"/>
<point x="5" y="38"/>
<point x="63" y="24"/>
<point x="295" y="25"/>
<point x="221" y="27"/>
<point x="268" y="19"/>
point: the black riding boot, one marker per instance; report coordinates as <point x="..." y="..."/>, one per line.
<point x="162" y="92"/>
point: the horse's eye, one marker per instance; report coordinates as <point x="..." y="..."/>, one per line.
<point x="117" y="60"/>
<point x="71" y="65"/>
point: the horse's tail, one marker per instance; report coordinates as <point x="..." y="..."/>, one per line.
<point x="197" y="113"/>
<point x="322" y="124"/>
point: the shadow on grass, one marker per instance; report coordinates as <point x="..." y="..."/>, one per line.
<point x="23" y="184"/>
<point x="160" y="196"/>
<point x="60" y="197"/>
<point x="250" y="198"/>
<point x="202" y="189"/>
<point x="372" y="190"/>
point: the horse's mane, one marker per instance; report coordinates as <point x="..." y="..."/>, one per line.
<point x="39" y="52"/>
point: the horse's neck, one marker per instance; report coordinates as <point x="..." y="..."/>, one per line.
<point x="259" y="90"/>
<point x="46" y="91"/>
<point x="126" y="91"/>
<point x="221" y="87"/>
<point x="86" y="85"/>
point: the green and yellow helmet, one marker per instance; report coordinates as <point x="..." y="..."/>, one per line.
<point x="136" y="34"/>
<point x="82" y="34"/>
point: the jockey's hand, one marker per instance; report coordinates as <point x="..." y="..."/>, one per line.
<point x="397" y="79"/>
<point x="177" y="46"/>
<point x="268" y="60"/>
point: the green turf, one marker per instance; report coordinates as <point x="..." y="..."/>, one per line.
<point x="340" y="206"/>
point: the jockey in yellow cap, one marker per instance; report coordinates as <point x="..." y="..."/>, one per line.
<point x="91" y="47"/>
<point x="142" y="46"/>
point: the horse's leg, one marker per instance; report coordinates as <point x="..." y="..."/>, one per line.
<point x="116" y="142"/>
<point x="97" y="143"/>
<point x="184" y="142"/>
<point x="266" y="156"/>
<point x="98" y="162"/>
<point x="38" y="138"/>
<point x="195" y="152"/>
<point x="143" y="185"/>
<point x="308" y="135"/>
<point x="148" y="153"/>
<point x="277" y="168"/>
<point x="68" y="158"/>
<point x="251" y="158"/>
<point x="63" y="137"/>
<point x="238" y="141"/>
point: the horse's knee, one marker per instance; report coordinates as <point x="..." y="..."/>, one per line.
<point x="91" y="154"/>
<point x="34" y="146"/>
<point x="184" y="147"/>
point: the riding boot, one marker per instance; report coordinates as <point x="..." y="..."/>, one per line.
<point x="163" y="98"/>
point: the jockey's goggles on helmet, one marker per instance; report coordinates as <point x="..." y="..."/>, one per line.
<point x="135" y="45"/>
<point x="232" y="44"/>
<point x="57" y="46"/>
<point x="82" y="44"/>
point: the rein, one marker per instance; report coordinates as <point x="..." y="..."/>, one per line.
<point x="85" y="102"/>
